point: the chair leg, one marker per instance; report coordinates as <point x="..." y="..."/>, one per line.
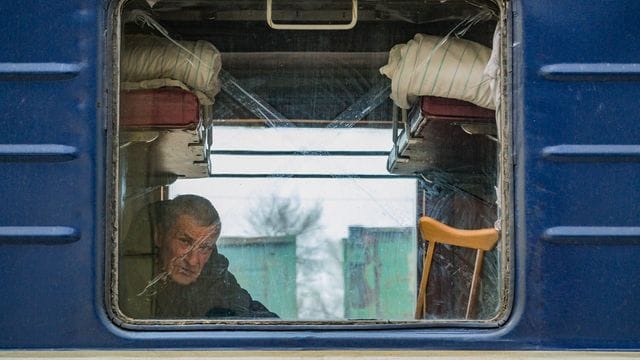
<point x="421" y="306"/>
<point x="475" y="281"/>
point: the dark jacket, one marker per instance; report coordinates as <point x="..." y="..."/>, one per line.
<point x="216" y="294"/>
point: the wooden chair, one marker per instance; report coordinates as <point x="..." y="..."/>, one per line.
<point x="435" y="232"/>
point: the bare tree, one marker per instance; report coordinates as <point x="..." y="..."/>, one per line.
<point x="280" y="216"/>
<point x="318" y="258"/>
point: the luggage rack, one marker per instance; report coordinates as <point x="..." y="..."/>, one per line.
<point x="444" y="135"/>
<point x="170" y="124"/>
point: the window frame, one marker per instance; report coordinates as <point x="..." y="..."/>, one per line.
<point x="505" y="177"/>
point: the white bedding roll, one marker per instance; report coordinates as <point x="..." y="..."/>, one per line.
<point x="150" y="61"/>
<point x="432" y="66"/>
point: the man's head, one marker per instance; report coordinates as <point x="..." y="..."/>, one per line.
<point x="186" y="231"/>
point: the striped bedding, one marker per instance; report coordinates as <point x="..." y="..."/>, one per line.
<point x="443" y="67"/>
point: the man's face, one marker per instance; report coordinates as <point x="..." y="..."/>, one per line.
<point x="185" y="249"/>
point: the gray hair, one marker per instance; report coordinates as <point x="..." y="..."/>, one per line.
<point x="200" y="209"/>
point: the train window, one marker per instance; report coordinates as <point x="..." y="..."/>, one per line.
<point x="300" y="162"/>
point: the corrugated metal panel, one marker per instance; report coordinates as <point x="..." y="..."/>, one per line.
<point x="577" y="177"/>
<point x="379" y="273"/>
<point x="266" y="267"/>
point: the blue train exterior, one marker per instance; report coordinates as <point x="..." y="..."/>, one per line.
<point x="574" y="93"/>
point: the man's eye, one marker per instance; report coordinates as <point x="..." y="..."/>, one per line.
<point x="184" y="241"/>
<point x="206" y="248"/>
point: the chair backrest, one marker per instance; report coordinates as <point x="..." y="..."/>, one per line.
<point x="435" y="232"/>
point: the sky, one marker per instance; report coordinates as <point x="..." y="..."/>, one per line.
<point x="381" y="202"/>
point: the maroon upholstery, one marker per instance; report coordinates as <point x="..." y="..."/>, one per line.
<point x="165" y="107"/>
<point x="437" y="107"/>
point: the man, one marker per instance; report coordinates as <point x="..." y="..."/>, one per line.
<point x="191" y="279"/>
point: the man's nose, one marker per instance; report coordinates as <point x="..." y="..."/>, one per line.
<point x="192" y="257"/>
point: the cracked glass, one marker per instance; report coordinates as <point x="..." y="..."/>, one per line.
<point x="288" y="170"/>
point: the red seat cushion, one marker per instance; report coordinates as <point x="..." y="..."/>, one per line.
<point x="165" y="107"/>
<point x="437" y="107"/>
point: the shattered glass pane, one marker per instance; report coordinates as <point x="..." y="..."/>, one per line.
<point x="279" y="175"/>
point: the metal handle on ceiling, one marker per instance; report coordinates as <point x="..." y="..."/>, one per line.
<point x="281" y="26"/>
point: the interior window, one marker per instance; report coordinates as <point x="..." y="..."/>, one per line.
<point x="309" y="161"/>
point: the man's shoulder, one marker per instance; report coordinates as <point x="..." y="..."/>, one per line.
<point x="218" y="264"/>
<point x="216" y="272"/>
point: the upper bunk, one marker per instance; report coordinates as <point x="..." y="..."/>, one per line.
<point x="266" y="77"/>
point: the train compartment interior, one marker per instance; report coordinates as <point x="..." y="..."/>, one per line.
<point x="351" y="147"/>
